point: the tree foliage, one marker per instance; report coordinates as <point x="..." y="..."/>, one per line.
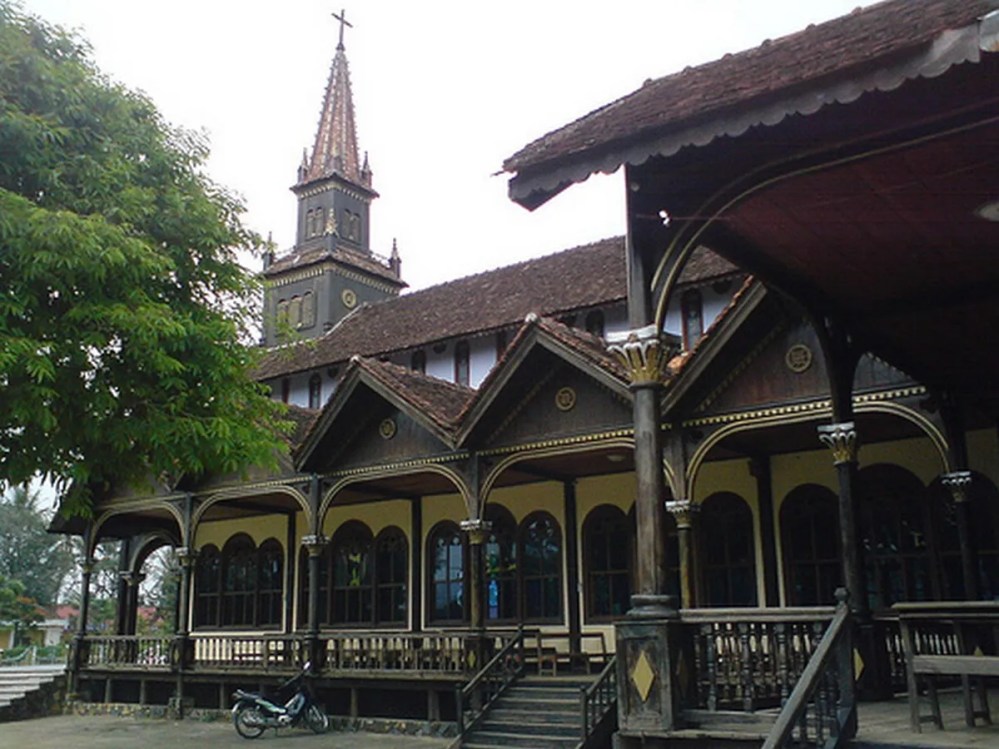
<point x="28" y="553"/>
<point x="17" y="608"/>
<point x="123" y="309"/>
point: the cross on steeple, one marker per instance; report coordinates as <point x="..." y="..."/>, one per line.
<point x="342" y="18"/>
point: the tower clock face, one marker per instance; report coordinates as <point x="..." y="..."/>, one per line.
<point x="349" y="298"/>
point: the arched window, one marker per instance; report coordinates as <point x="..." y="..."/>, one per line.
<point x="315" y="391"/>
<point x="446" y="557"/>
<point x="270" y="583"/>
<point x="809" y="527"/>
<point x="308" y="309"/>
<point x="461" y="363"/>
<point x="208" y="587"/>
<point x="502" y="589"/>
<point x="391" y="575"/>
<point x="607" y="562"/>
<point x="418" y="362"/>
<point x="692" y="311"/>
<point x="894" y="524"/>
<point x="295" y="312"/>
<point x="282" y="312"/>
<point x="352" y="578"/>
<point x="320" y="222"/>
<point x="595" y="323"/>
<point x="239" y="581"/>
<point x="729" y="560"/>
<point x="540" y="557"/>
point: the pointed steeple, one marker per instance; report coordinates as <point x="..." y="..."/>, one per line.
<point x="334" y="152"/>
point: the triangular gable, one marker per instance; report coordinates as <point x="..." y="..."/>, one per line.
<point x="382" y="413"/>
<point x="758" y="353"/>
<point x="552" y="382"/>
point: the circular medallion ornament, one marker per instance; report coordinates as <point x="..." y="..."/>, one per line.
<point x="387" y="429"/>
<point x="349" y="298"/>
<point x="798" y="358"/>
<point x="565" y="399"/>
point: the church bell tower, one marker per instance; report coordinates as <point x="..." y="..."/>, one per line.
<point x="331" y="270"/>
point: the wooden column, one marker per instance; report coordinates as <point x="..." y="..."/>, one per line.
<point x="759" y="468"/>
<point x="122" y="589"/>
<point x="683" y="512"/>
<point x="477" y="532"/>
<point x="572" y="565"/>
<point x="645" y="352"/>
<point x="291" y="593"/>
<point x="416" y="563"/>
<point x="841" y="439"/>
<point x="314" y="545"/>
<point x="187" y="558"/>
<point x="959" y="485"/>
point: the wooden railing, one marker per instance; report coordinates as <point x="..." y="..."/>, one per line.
<point x="256" y="652"/>
<point x="746" y="659"/>
<point x="127" y="651"/>
<point x="821" y="709"/>
<point x="597" y="699"/>
<point x="402" y="652"/>
<point x="473" y="699"/>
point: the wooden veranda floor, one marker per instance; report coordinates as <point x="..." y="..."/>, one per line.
<point x="884" y="724"/>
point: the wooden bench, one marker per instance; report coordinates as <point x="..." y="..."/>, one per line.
<point x="962" y="635"/>
<point x="550" y="656"/>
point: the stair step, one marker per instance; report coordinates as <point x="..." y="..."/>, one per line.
<point x="539" y="727"/>
<point x="513" y="715"/>
<point x="489" y="739"/>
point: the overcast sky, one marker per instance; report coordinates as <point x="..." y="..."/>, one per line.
<point x="444" y="91"/>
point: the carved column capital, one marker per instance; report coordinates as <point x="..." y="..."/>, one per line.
<point x="958" y="483"/>
<point x="132" y="578"/>
<point x="186" y="556"/>
<point x="841" y="438"/>
<point x="644" y="352"/>
<point x="683" y="511"/>
<point x="477" y="529"/>
<point x="314" y="544"/>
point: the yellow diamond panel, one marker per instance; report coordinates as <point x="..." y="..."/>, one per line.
<point x="643" y="676"/>
<point x="858" y="664"/>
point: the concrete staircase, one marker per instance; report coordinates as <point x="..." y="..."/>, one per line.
<point x="28" y="691"/>
<point x="540" y="712"/>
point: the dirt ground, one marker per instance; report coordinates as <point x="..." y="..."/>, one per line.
<point x="108" y="732"/>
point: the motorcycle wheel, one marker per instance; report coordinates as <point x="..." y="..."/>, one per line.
<point x="317" y="719"/>
<point x="248" y="721"/>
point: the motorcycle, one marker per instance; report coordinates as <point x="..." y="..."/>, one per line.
<point x="253" y="713"/>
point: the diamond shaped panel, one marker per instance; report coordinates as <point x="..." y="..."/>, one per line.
<point x="643" y="676"/>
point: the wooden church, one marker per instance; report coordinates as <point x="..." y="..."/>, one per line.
<point x="647" y="464"/>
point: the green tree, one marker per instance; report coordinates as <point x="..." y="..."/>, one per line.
<point x="123" y="309"/>
<point x="39" y="560"/>
<point x="17" y="608"/>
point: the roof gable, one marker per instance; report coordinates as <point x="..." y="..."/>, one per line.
<point x="370" y="392"/>
<point x="525" y="394"/>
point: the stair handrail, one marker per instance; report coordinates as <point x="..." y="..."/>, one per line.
<point x="835" y="650"/>
<point x="602" y="693"/>
<point x="505" y="664"/>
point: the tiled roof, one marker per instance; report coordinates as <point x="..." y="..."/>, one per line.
<point x="817" y="53"/>
<point x="302" y="418"/>
<point x="439" y="400"/>
<point x="587" y="276"/>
